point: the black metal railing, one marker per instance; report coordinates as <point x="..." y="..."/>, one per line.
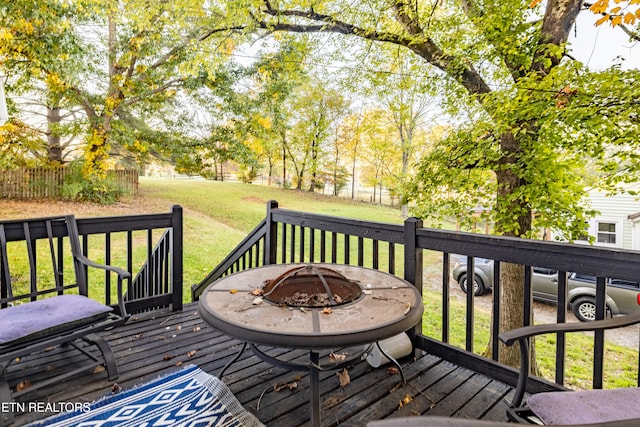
<point x="424" y="257"/>
<point x="147" y="246"/>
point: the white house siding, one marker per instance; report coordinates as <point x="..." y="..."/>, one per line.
<point x="616" y="210"/>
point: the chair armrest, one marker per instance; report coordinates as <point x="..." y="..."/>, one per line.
<point x="510" y="337"/>
<point x="122" y="275"/>
<point x="522" y="335"/>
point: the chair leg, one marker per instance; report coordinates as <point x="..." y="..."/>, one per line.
<point x="107" y="353"/>
<point x="6" y="418"/>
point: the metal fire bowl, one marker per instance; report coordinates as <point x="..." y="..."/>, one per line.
<point x="388" y="307"/>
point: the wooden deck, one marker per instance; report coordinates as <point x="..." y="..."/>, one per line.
<point x="154" y="344"/>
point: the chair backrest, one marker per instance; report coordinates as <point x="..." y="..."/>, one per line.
<point x="33" y="258"/>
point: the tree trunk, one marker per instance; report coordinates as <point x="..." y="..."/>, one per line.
<point x="314" y="164"/>
<point x="284" y="161"/>
<point x="511" y="276"/>
<point x="270" y="163"/>
<point x="54" y="148"/>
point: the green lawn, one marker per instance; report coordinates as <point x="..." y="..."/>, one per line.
<point x="218" y="215"/>
<point x="243" y="206"/>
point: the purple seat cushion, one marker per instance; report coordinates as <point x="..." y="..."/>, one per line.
<point x="588" y="406"/>
<point x="48" y="316"/>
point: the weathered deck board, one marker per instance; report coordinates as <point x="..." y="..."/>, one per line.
<point x="154" y="344"/>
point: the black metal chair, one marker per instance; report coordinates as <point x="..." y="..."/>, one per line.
<point x="53" y="315"/>
<point x="570" y="407"/>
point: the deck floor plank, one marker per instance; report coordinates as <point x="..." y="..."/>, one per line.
<point x="154" y="344"/>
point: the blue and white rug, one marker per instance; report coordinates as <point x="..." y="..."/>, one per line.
<point x="188" y="398"/>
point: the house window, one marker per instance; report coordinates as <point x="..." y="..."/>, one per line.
<point x="606" y="233"/>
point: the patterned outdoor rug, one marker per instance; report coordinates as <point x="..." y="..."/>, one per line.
<point x="188" y="397"/>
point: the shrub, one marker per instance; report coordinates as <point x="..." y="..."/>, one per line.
<point x="77" y="187"/>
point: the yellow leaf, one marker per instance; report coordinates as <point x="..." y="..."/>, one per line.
<point x="616" y="21"/>
<point x="599" y="6"/>
<point x="534" y="3"/>
<point x="615" y="10"/>
<point x="602" y="20"/>
<point x="630" y="18"/>
<point x="233" y="291"/>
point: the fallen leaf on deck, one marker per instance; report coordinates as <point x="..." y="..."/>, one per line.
<point x="233" y="291"/>
<point x="291" y="386"/>
<point x="344" y="377"/>
<point x="196" y="329"/>
<point x="115" y="388"/>
<point x="23" y="384"/>
<point x="337" y="357"/>
<point x="191" y="353"/>
<point x="98" y="369"/>
<point x="407" y="399"/>
<point x="169" y="356"/>
<point x="178" y="328"/>
<point x="257" y="292"/>
<point x="392" y="371"/>
<point x="327" y="310"/>
<point x="178" y="363"/>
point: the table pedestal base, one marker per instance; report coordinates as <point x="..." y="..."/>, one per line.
<point x="314" y="368"/>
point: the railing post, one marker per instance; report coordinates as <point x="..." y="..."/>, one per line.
<point x="271" y="235"/>
<point x="413" y="263"/>
<point x="177" y="257"/>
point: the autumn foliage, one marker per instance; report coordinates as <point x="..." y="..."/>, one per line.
<point x="615" y="12"/>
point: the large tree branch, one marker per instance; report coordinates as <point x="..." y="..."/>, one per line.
<point x="416" y="41"/>
<point x="162" y="87"/>
<point x="559" y="18"/>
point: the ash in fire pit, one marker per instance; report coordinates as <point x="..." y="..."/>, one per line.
<point x="311" y="286"/>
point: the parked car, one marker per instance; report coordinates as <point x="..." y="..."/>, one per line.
<point x="623" y="296"/>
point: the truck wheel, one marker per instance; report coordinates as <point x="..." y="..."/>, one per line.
<point x="478" y="286"/>
<point x="584" y="309"/>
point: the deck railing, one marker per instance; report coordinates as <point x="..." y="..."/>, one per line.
<point x="424" y="257"/>
<point x="148" y="246"/>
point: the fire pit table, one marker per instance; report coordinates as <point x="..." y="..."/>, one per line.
<point x="310" y="306"/>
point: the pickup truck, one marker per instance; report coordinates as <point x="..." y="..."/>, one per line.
<point x="623" y="297"/>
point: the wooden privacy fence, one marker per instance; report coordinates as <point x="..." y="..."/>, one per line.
<point x="39" y="183"/>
